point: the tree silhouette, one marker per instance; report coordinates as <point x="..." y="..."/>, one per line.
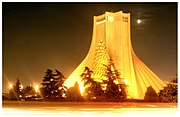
<point x="86" y="76"/>
<point x="113" y="92"/>
<point x="16" y="92"/>
<point x="151" y="95"/>
<point x="74" y="93"/>
<point x="93" y="88"/>
<point x="52" y="86"/>
<point x="29" y="91"/>
<point x="62" y="89"/>
<point x="170" y="92"/>
<point x="47" y="85"/>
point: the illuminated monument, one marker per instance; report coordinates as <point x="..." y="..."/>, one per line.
<point x="111" y="40"/>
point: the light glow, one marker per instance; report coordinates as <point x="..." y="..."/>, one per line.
<point x="36" y="88"/>
<point x="69" y="84"/>
<point x="124" y="112"/>
<point x="10" y="86"/>
<point x="21" y="86"/>
<point x="126" y="81"/>
<point x="81" y="89"/>
<point x="138" y="21"/>
<point x="100" y="22"/>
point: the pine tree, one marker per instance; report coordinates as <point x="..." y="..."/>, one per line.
<point x="151" y="95"/>
<point x="46" y="89"/>
<point x="113" y="92"/>
<point x="62" y="89"/>
<point x="74" y="93"/>
<point x="29" y="91"/>
<point x="16" y="92"/>
<point x="86" y="78"/>
<point x="170" y="92"/>
<point x="52" y="86"/>
<point x="93" y="88"/>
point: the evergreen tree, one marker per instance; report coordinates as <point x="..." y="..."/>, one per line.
<point x="62" y="89"/>
<point x="74" y="93"/>
<point x="170" y="92"/>
<point x="52" y="86"/>
<point x="151" y="95"/>
<point x="113" y="92"/>
<point x="29" y="91"/>
<point x="93" y="88"/>
<point x="16" y="92"/>
<point x="46" y="85"/>
<point x="86" y="78"/>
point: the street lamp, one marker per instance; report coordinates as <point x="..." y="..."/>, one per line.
<point x="36" y="88"/>
<point x="10" y="86"/>
<point x="10" y="91"/>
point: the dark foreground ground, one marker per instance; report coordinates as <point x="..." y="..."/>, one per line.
<point x="121" y="109"/>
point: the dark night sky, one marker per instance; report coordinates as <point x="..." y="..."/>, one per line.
<point x="58" y="36"/>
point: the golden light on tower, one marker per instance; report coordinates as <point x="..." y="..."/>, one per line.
<point x="126" y="81"/>
<point x="111" y="40"/>
<point x="81" y="89"/>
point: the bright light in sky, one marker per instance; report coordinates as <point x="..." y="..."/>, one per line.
<point x="138" y="21"/>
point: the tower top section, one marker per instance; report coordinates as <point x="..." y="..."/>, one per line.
<point x="111" y="17"/>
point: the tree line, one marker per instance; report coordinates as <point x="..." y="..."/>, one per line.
<point x="53" y="88"/>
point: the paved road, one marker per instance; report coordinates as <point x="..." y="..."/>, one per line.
<point x="11" y="108"/>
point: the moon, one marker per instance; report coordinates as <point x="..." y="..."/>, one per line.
<point x="139" y="21"/>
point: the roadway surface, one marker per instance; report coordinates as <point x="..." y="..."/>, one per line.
<point x="123" y="109"/>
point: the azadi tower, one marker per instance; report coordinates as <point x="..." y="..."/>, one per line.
<point x="111" y="40"/>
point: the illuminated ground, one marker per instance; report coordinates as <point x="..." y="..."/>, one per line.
<point x="12" y="108"/>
